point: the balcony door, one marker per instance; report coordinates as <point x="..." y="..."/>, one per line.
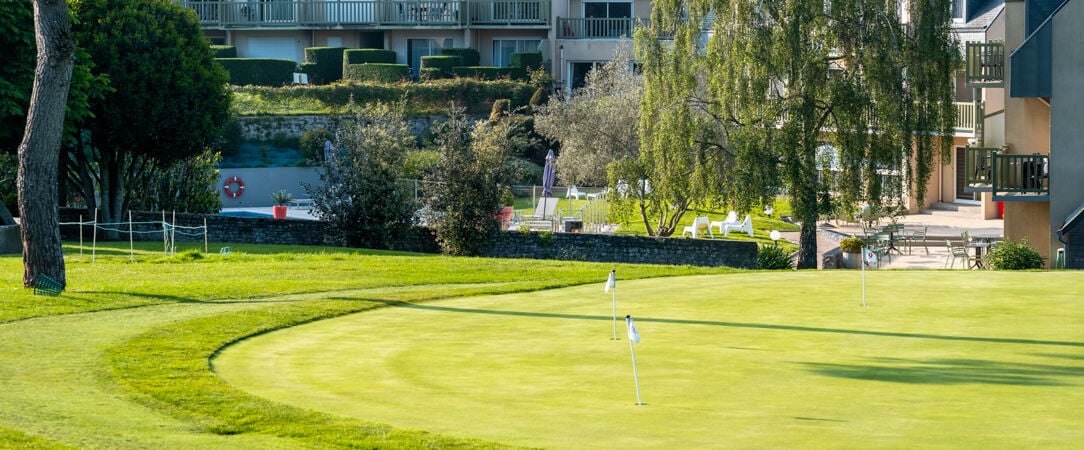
<point x="417" y="48"/>
<point x="504" y="48"/>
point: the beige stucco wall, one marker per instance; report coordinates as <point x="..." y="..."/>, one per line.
<point x="1027" y="130"/>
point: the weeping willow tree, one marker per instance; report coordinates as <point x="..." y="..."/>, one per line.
<point x="768" y="85"/>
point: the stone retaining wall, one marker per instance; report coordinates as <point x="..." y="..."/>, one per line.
<point x="511" y="244"/>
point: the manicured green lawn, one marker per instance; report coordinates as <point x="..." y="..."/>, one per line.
<point x="126" y="358"/>
<point x="758" y="360"/>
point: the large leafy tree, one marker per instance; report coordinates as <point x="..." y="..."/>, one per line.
<point x="39" y="150"/>
<point x="596" y="124"/>
<point x="468" y="181"/>
<point x="169" y="102"/>
<point x="767" y="84"/>
<point x="361" y="198"/>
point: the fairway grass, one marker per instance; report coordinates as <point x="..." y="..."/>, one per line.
<point x="776" y="360"/>
<point x="389" y="350"/>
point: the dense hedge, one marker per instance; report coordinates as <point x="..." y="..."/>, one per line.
<point x="368" y="55"/>
<point x="224" y="51"/>
<point x="443" y="62"/>
<point x="380" y="73"/>
<point x="470" y="56"/>
<point x="530" y="60"/>
<point x="490" y="73"/>
<point x="327" y="64"/>
<point x="423" y="98"/>
<point x="259" y="71"/>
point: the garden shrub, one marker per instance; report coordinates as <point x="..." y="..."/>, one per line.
<point x="851" y="245"/>
<point x="312" y="142"/>
<point x="470" y="56"/>
<point x="774" y="257"/>
<point x="540" y="97"/>
<point x="1011" y="255"/>
<point x="328" y="63"/>
<point x="224" y="51"/>
<point x="529" y="60"/>
<point x="429" y="74"/>
<point x="231" y="136"/>
<point x="380" y="73"/>
<point x="514" y="73"/>
<point x="368" y="55"/>
<point x="442" y="62"/>
<point x="477" y="72"/>
<point x="259" y="71"/>
<point x="419" y="163"/>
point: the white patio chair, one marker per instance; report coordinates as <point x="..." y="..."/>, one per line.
<point x="575" y="193"/>
<point x="746" y="226"/>
<point x="731" y="219"/>
<point x="700" y="224"/>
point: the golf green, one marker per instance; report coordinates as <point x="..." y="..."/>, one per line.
<point x="734" y="361"/>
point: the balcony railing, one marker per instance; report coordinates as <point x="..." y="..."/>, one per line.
<point x="985" y="64"/>
<point x="369" y="13"/>
<point x="1021" y="177"/>
<point x="595" y="28"/>
<point x="966" y="117"/>
<point x="978" y="169"/>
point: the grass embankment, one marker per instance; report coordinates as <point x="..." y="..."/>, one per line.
<point x="149" y="327"/>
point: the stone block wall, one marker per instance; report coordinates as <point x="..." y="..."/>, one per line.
<point x="511" y="244"/>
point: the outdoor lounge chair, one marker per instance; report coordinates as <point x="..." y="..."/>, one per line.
<point x="745" y="225"/>
<point x="700" y="225"/>
<point x="731" y="219"/>
<point x="575" y="193"/>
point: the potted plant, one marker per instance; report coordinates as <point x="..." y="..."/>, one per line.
<point x="281" y="198"/>
<point x="852" y="251"/>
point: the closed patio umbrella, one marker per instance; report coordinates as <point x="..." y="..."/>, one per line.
<point x="549" y="174"/>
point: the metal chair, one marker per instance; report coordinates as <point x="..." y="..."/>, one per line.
<point x="955" y="253"/>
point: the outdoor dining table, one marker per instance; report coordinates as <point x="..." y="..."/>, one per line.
<point x="979" y="248"/>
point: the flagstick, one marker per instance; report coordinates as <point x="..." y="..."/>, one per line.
<point x="615" y="312"/>
<point x="635" y="376"/>
<point x="863" y="277"/>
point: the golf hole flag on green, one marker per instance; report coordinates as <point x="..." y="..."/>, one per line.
<point x="634" y="338"/>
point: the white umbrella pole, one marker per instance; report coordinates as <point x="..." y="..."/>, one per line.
<point x="615" y="311"/>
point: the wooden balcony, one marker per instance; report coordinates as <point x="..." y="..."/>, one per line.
<point x="967" y="117"/>
<point x="595" y="28"/>
<point x="978" y="169"/>
<point x="985" y="64"/>
<point x="1021" y="178"/>
<point x="370" y="14"/>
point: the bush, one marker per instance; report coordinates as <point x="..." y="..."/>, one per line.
<point x="774" y="257"/>
<point x="230" y="138"/>
<point x="224" y="51"/>
<point x="470" y="56"/>
<point x="419" y="163"/>
<point x="1010" y="255"/>
<point x="529" y="60"/>
<point x="312" y="144"/>
<point x="429" y="74"/>
<point x="477" y="72"/>
<point x="259" y="71"/>
<point x="851" y="245"/>
<point x="368" y="56"/>
<point x="327" y="64"/>
<point x="444" y="63"/>
<point x="380" y="73"/>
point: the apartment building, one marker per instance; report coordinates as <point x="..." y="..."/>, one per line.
<point x="573" y="35"/>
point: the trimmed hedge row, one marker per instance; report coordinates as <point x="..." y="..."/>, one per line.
<point x="224" y="51"/>
<point x="368" y="55"/>
<point x="424" y="98"/>
<point x="490" y="73"/>
<point x="444" y="63"/>
<point x="259" y="71"/>
<point x="470" y="56"/>
<point x="376" y="72"/>
<point x="529" y="60"/>
<point x="323" y="64"/>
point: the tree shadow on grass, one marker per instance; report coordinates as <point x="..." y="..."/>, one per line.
<point x="951" y="371"/>
<point x="765" y="326"/>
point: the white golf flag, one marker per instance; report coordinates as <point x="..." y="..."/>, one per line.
<point x="634" y="335"/>
<point x="611" y="282"/>
<point x="870" y="256"/>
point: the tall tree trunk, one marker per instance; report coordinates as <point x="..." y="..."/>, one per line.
<point x="39" y="152"/>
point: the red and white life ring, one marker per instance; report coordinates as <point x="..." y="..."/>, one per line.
<point x="240" y="187"/>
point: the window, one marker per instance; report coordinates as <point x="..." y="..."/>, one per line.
<point x="958" y="10"/>
<point x="417" y="48"/>
<point x="504" y="48"/>
<point x="608" y="17"/>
